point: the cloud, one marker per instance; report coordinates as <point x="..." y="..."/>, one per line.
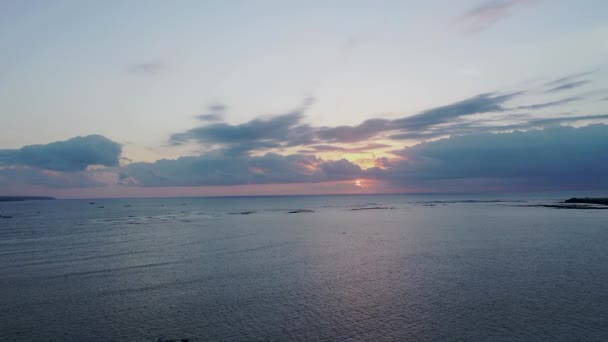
<point x="348" y="134"/>
<point x="571" y="77"/>
<point x="355" y="149"/>
<point x="550" y="104"/>
<point x="287" y="130"/>
<point x="489" y="126"/>
<point x="209" y="117"/>
<point x="482" y="103"/>
<point x="488" y="13"/>
<point x="426" y="124"/>
<point x="214" y="113"/>
<point x="431" y="134"/>
<point x="458" y="118"/>
<point x="237" y="154"/>
<point x="263" y="133"/>
<point x="22" y="176"/>
<point x="148" y="68"/>
<point x="565" y="119"/>
<point x="553" y="158"/>
<point x="567" y="86"/>
<point x="221" y="169"/>
<point x="272" y="132"/>
<point x="71" y="155"/>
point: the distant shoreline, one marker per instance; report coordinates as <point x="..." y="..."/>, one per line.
<point x="25" y="198"/>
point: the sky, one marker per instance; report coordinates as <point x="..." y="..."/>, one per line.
<point x="211" y="98"/>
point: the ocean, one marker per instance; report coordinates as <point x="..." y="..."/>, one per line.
<point x="398" y="268"/>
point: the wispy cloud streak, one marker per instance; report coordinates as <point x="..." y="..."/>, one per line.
<point x="549" y="104"/>
<point x="568" y="86"/>
<point x="488" y="13"/>
<point x="152" y="68"/>
<point x="571" y="77"/>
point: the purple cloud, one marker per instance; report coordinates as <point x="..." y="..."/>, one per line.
<point x="488" y="13"/>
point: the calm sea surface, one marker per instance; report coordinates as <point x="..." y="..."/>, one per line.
<point x="245" y="269"/>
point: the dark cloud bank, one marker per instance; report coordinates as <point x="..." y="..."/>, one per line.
<point x="551" y="158"/>
<point x="75" y="154"/>
<point x="215" y="169"/>
<point x="556" y="157"/>
<point x="61" y="164"/>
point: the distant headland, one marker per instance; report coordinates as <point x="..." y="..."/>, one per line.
<point x="587" y="200"/>
<point x="577" y="203"/>
<point x="25" y="198"/>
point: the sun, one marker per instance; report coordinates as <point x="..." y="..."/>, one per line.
<point x="358" y="183"/>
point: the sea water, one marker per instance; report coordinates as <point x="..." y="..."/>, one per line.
<point x="406" y="268"/>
